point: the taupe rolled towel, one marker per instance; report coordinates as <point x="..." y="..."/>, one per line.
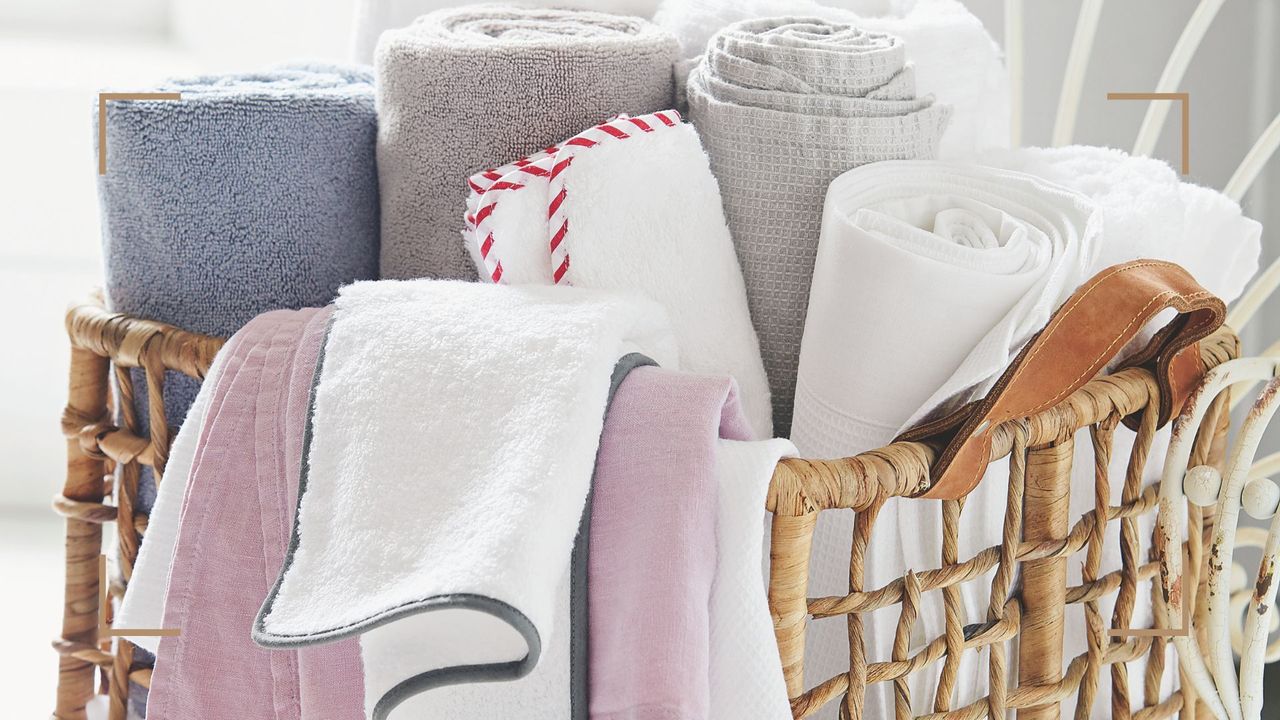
<point x="467" y="88"/>
<point x="783" y="106"/>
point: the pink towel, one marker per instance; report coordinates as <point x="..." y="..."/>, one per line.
<point x="653" y="544"/>
<point x="236" y="520"/>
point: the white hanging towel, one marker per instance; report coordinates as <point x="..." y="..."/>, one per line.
<point x="930" y="277"/>
<point x="628" y="205"/>
<point x="450" y="452"/>
<point x="746" y="675"/>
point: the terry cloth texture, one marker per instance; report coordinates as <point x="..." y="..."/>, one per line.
<point x="254" y="192"/>
<point x="452" y="442"/>
<point x="373" y="17"/>
<point x="241" y="483"/>
<point x="933" y="275"/>
<point x="630" y="205"/>
<point x="653" y="544"/>
<point x="469" y="88"/>
<point x="954" y="57"/>
<point x="783" y="106"/>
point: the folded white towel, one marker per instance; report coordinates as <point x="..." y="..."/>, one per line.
<point x="930" y="278"/>
<point x="746" y="672"/>
<point x="1148" y="212"/>
<point x="451" y="448"/>
<point x="143" y="605"/>
<point x="629" y="205"/>
<point x="954" y="57"/>
<point x="373" y="17"/>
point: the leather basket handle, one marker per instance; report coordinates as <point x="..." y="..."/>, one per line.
<point x="1085" y="334"/>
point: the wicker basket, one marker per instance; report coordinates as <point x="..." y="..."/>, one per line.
<point x="1039" y="540"/>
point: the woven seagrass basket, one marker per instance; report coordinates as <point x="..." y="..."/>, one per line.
<point x="1023" y="626"/>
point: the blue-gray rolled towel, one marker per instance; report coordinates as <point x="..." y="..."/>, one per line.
<point x="253" y="192"/>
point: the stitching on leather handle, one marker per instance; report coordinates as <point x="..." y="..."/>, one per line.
<point x="1070" y="307"/>
<point x="1142" y="317"/>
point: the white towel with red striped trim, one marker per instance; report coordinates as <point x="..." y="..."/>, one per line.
<point x="628" y="205"/>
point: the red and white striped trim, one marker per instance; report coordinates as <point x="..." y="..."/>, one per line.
<point x="547" y="166"/>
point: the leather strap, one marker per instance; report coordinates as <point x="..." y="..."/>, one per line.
<point x="1085" y="334"/>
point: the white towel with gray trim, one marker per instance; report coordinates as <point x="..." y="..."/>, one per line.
<point x="783" y="106"/>
<point x="469" y="88"/>
<point x="448" y="460"/>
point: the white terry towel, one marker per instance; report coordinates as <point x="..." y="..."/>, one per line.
<point x="143" y="605"/>
<point x="1148" y="212"/>
<point x="451" y="447"/>
<point x="628" y="205"/>
<point x="373" y="17"/>
<point x="955" y="59"/>
<point x="746" y="675"/>
<point x="930" y="278"/>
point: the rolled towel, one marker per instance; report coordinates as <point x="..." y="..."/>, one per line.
<point x="933" y="276"/>
<point x="254" y="192"/>
<point x="783" y="106"/>
<point x="468" y="88"/>
<point x="453" y="434"/>
<point x="1148" y="212"/>
<point x="954" y="56"/>
<point x="635" y="207"/>
<point x="373" y="17"/>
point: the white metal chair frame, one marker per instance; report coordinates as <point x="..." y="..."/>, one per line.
<point x="1240" y="613"/>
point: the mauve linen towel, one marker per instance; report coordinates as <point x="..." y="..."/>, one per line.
<point x="653" y="544"/>
<point x="254" y="192"/>
<point x="468" y="88"/>
<point x="783" y="106"/>
<point x="242" y="487"/>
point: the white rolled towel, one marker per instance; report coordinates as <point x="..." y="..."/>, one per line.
<point x="930" y="277"/>
<point x="628" y="205"/>
<point x="955" y="58"/>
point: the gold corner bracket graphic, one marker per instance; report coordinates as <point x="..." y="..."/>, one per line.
<point x="102" y="117"/>
<point x="1184" y="98"/>
<point x="104" y="628"/>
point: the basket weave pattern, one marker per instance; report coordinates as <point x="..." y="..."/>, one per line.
<point x="1038" y="540"/>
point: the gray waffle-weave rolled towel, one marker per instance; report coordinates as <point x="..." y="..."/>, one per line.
<point x="468" y="88"/>
<point x="784" y="105"/>
<point x="254" y="192"/>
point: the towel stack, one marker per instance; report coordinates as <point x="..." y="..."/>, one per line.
<point x="469" y="88"/>
<point x="783" y="106"/>
<point x="253" y="192"/>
